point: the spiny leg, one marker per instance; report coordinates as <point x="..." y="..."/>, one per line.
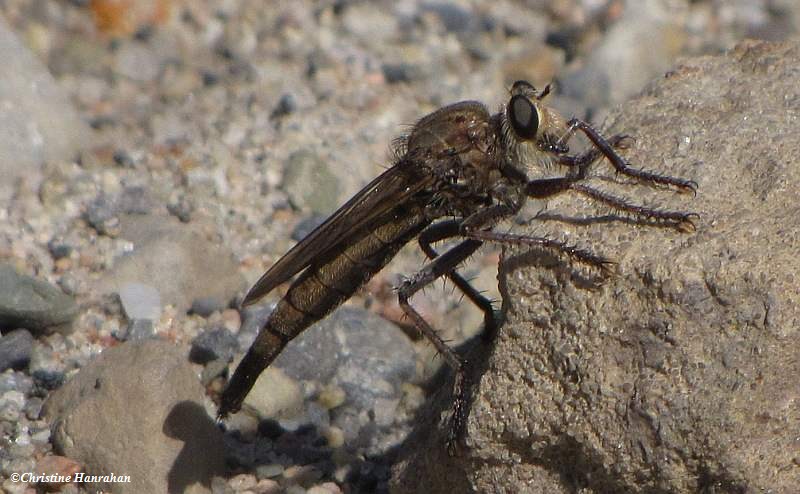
<point x="573" y="252"/>
<point x="621" y="165"/>
<point x="583" y="160"/>
<point x="442" y="231"/>
<point x="678" y="219"/>
<point x="440" y="266"/>
<point x="548" y="187"/>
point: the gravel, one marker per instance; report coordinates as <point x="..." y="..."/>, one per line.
<point x="185" y="146"/>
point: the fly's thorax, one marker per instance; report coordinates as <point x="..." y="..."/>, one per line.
<point x="457" y="146"/>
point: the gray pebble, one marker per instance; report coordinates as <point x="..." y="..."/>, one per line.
<point x="213" y="370"/>
<point x="33" y="407"/>
<point x="205" y="306"/>
<point x="48" y="380"/>
<point x="139" y="329"/>
<point x="181" y="208"/>
<point x="269" y="471"/>
<point x="310" y="182"/>
<point x="306" y="226"/>
<point x="12" y="380"/>
<point x="214" y="344"/>
<point x="15" y="349"/>
<point x="140" y="301"/>
<point x="123" y="158"/>
<point x="59" y="248"/>
<point x="135" y="200"/>
<point x="33" y="304"/>
<point x="400" y="72"/>
<point x="101" y="215"/>
<point x="286" y="105"/>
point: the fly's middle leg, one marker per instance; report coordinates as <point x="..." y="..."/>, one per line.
<point x="441" y="266"/>
<point x="443" y="231"/>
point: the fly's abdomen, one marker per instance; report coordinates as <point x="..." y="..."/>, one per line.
<point x="325" y="285"/>
<point x="334" y="278"/>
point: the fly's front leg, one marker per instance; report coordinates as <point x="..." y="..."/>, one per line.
<point x="621" y="165"/>
<point x="583" y="160"/>
<point x="440" y="266"/>
<point x="548" y="187"/>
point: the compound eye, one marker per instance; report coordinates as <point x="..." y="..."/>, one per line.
<point x="524" y="117"/>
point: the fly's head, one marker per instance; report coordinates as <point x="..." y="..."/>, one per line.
<point x="532" y="132"/>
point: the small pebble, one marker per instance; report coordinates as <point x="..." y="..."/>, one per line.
<point x="11" y="487"/>
<point x="15" y="349"/>
<point x="286" y="105"/>
<point x="334" y="436"/>
<point x="267" y="486"/>
<point x="213" y="370"/>
<point x="306" y="226"/>
<point x="181" y="208"/>
<point x="269" y="471"/>
<point x="242" y="481"/>
<point x="59" y="248"/>
<point x="214" y="344"/>
<point x="331" y="397"/>
<point x="101" y="215"/>
<point x="48" y="379"/>
<point x="302" y="474"/>
<point x="139" y="329"/>
<point x="33" y="407"/>
<point x="123" y="158"/>
<point x="295" y="489"/>
<point x="57" y="466"/>
<point x="140" y="301"/>
<point x="205" y="306"/>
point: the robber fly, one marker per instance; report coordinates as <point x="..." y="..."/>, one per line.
<point x="459" y="172"/>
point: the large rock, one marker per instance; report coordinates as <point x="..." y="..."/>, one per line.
<point x="37" y="121"/>
<point x="137" y="410"/>
<point x="680" y="373"/>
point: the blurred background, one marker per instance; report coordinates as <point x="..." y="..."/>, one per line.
<point x="158" y="156"/>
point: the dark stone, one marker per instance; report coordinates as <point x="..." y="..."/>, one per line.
<point x="101" y="213"/>
<point x="214" y="344"/>
<point x="400" y="72"/>
<point x="59" y="248"/>
<point x="123" y="159"/>
<point x="48" y="380"/>
<point x="286" y="105"/>
<point x="15" y="349"/>
<point x="306" y="226"/>
<point x="140" y="329"/>
<point x="135" y="200"/>
<point x="205" y="306"/>
<point x="33" y="304"/>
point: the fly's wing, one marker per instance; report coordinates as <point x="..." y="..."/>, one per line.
<point x="387" y="191"/>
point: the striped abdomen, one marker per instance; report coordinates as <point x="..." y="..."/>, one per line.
<point x="325" y="285"/>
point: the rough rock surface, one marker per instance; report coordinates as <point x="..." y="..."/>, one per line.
<point x="138" y="410"/>
<point x="678" y="374"/>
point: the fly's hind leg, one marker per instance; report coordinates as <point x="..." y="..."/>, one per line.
<point x="441" y="266"/>
<point x="442" y="231"/>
